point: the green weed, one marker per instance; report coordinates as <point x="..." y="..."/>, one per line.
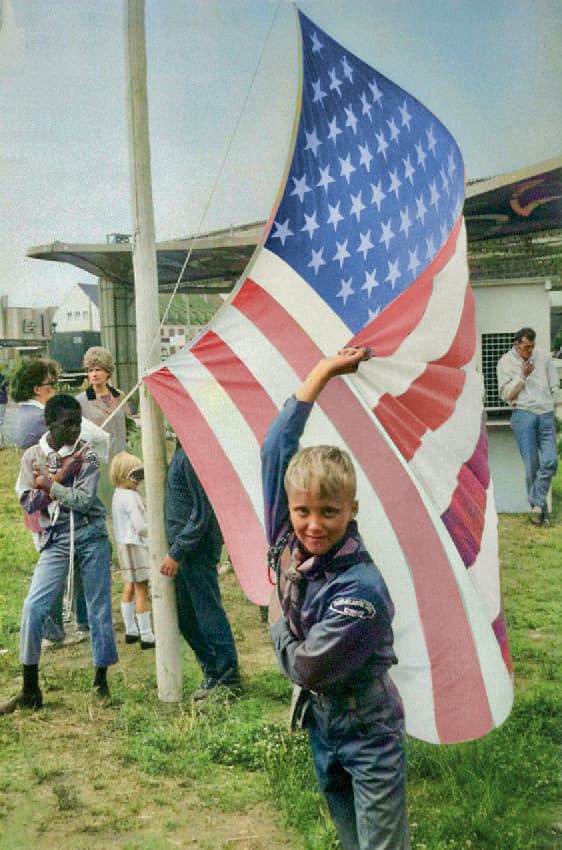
<point x="145" y="762"/>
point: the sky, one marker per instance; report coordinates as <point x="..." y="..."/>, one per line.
<point x="222" y="89"/>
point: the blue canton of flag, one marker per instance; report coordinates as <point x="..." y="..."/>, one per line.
<point x="376" y="184"/>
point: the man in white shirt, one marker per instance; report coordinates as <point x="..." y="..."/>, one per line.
<point x="526" y="381"/>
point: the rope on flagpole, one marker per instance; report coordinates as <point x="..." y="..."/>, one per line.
<point x="218" y="177"/>
<point x="203" y="216"/>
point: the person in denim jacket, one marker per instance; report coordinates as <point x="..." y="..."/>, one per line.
<point x="59" y="479"/>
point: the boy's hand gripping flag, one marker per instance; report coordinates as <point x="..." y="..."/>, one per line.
<point x="366" y="246"/>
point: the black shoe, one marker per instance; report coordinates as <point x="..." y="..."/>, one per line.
<point x="148" y="644"/>
<point x="132" y="638"/>
<point x="101" y="694"/>
<point x="33" y="700"/>
<point x="230" y="679"/>
<point x="537" y="516"/>
<point x="208" y="685"/>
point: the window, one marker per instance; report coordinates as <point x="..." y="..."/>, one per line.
<point x="69" y="315"/>
<point x="493" y="347"/>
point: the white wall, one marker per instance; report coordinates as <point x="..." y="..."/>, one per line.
<point x="505" y="306"/>
<point x="77" y="313"/>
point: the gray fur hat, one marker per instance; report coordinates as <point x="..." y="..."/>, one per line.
<point x="100" y="357"/>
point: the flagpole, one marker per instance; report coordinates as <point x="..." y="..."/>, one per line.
<point x="168" y="661"/>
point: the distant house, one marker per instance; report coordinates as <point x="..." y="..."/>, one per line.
<point x="79" y="309"/>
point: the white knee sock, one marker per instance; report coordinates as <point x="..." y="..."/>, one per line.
<point x="128" y="612"/>
<point x="145" y="628"/>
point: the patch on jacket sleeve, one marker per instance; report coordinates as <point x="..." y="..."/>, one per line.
<point x="351" y="607"/>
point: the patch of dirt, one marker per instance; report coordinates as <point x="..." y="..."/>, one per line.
<point x="76" y="791"/>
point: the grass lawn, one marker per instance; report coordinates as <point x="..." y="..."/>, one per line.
<point x="143" y="775"/>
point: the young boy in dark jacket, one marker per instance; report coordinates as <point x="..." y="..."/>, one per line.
<point x="59" y="479"/>
<point x="334" y="637"/>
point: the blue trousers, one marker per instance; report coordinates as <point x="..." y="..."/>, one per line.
<point x="536" y="439"/>
<point x="202" y="619"/>
<point x="360" y="764"/>
<point x="93" y="554"/>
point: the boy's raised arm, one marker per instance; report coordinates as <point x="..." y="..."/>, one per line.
<point x="345" y="362"/>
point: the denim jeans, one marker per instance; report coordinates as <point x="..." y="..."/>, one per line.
<point x="202" y="619"/>
<point x="360" y="765"/>
<point x="93" y="554"/>
<point x="536" y="438"/>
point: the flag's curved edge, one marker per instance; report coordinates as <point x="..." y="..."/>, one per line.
<point x="219" y="479"/>
<point x="292" y="143"/>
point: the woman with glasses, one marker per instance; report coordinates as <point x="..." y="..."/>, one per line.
<point x="33" y="385"/>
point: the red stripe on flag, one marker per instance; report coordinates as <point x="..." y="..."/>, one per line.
<point x="441" y="607"/>
<point x="233" y="375"/>
<point x="279" y="326"/>
<point x="387" y="331"/>
<point x="428" y="402"/>
<point x="465" y="516"/>
<point x="500" y="630"/>
<point x="404" y="430"/>
<point x="241" y="529"/>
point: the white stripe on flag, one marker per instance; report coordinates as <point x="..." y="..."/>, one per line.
<point x="226" y="422"/>
<point x="482" y="572"/>
<point x="301" y="302"/>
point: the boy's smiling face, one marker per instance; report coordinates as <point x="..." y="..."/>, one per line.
<point x="65" y="428"/>
<point x="319" y="523"/>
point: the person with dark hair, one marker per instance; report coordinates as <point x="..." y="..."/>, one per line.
<point x="33" y="384"/>
<point x="59" y="478"/>
<point x="3" y="401"/>
<point x="527" y="380"/>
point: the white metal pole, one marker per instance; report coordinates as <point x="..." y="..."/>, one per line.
<point x="168" y="661"/>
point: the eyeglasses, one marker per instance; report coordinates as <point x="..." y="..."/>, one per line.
<point x="49" y="384"/>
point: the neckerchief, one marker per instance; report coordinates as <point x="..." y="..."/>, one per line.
<point x="297" y="567"/>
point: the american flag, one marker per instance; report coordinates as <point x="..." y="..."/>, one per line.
<point x="366" y="246"/>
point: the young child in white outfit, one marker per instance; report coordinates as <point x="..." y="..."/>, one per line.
<point x="129" y="528"/>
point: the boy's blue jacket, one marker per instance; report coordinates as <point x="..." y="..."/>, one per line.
<point x="343" y="638"/>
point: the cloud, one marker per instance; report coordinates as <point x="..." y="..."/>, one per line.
<point x="12" y="37"/>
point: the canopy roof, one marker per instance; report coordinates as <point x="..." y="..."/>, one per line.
<point x="499" y="212"/>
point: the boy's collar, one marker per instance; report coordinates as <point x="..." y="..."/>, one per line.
<point x="46" y="447"/>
